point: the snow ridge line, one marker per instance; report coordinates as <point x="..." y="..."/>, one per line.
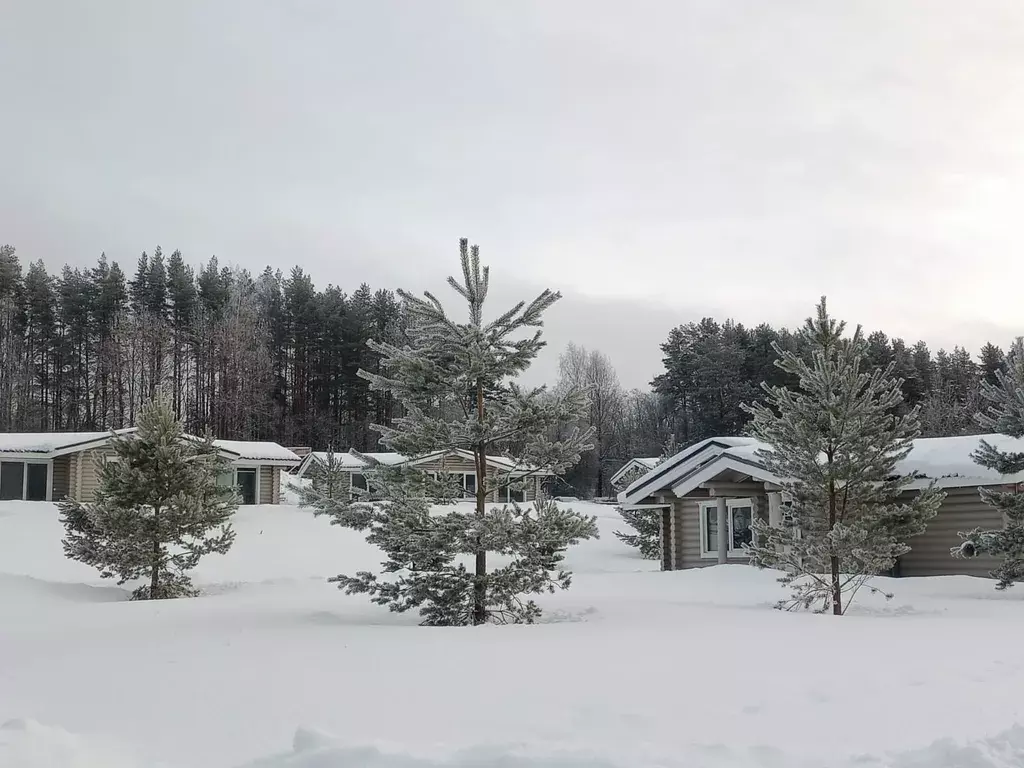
<point x="28" y="744"/>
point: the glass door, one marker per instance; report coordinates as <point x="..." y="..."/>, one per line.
<point x="246" y="480"/>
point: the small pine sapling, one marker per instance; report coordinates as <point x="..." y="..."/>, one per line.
<point x="159" y="508"/>
<point x="1004" y="415"/>
<point x="456" y="384"/>
<point x="835" y="443"/>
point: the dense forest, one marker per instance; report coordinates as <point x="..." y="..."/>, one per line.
<point x="271" y="356"/>
<point x="711" y="368"/>
<point x="247" y="357"/>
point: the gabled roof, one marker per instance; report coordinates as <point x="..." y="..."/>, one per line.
<point x="263" y="451"/>
<point x="649" y="462"/>
<point x="665" y="474"/>
<point x="48" y="445"/>
<point x="946" y="461"/>
<point x="503" y="463"/>
<point x="356" y="461"/>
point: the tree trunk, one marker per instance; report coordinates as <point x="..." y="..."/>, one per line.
<point x="837" y="589"/>
<point x="480" y="584"/>
<point x="154" y="567"/>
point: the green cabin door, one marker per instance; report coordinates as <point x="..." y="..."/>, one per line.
<point x="246" y="479"/>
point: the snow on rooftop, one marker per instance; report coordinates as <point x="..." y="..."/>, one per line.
<point x="45" y="442"/>
<point x="256" y="451"/>
<point x="948" y="457"/>
<point x="353" y="461"/>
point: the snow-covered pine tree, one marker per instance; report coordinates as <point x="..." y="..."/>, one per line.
<point x="836" y="441"/>
<point x="456" y="384"/>
<point x="158" y="510"/>
<point x="646" y="523"/>
<point x="1005" y="415"/>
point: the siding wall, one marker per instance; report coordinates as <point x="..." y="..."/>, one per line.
<point x="962" y="510"/>
<point x="266" y="481"/>
<point x="686" y="531"/>
<point x="85" y="478"/>
<point x="61" y="477"/>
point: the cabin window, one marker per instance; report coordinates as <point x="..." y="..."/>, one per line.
<point x="740" y="516"/>
<point x="359" y="481"/>
<point x="517" y="495"/>
<point x="469" y="482"/>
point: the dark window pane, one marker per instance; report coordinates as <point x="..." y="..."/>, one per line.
<point x="471" y="483"/>
<point x="516" y="494"/>
<point x="247" y="485"/>
<point x="359" y="481"/>
<point x="36" y="488"/>
<point x="12" y="480"/>
<point x="741" y="533"/>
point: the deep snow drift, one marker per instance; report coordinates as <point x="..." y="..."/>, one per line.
<point x="632" y="667"/>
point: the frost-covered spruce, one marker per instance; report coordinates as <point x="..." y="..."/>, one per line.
<point x="836" y="442"/>
<point x="1004" y="414"/>
<point x="157" y="511"/>
<point x="456" y="383"/>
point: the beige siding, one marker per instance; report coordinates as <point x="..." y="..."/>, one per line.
<point x="687" y="538"/>
<point x="87" y="478"/>
<point x="266" y="479"/>
<point x="61" y="477"/>
<point x="962" y="510"/>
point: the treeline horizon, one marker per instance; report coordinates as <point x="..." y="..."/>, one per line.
<point x="269" y="356"/>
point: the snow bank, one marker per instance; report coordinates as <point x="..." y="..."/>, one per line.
<point x="27" y="744"/>
<point x="314" y="750"/>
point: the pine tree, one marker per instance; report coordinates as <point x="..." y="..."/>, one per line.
<point x="1005" y="415"/>
<point x="456" y="383"/>
<point x="645" y="523"/>
<point x="158" y="510"/>
<point x="836" y="441"/>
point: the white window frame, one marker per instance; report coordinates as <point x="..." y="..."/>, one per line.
<point x="234" y="477"/>
<point x="508" y="492"/>
<point x="712" y="507"/>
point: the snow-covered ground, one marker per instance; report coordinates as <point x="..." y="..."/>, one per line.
<point x="632" y="667"/>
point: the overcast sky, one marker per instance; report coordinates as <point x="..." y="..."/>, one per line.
<point x="654" y="161"/>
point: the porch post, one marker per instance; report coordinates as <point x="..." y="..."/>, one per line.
<point x="723" y="530"/>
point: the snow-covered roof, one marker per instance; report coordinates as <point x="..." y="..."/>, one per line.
<point x="350" y="460"/>
<point x="648" y="462"/>
<point x="47" y="442"/>
<point x="356" y="460"/>
<point x="944" y="460"/>
<point x="258" y="451"/>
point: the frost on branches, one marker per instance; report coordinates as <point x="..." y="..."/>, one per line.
<point x="1004" y="414"/>
<point x="646" y="523"/>
<point x="455" y="381"/>
<point x="836" y="443"/>
<point x="158" y="509"/>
